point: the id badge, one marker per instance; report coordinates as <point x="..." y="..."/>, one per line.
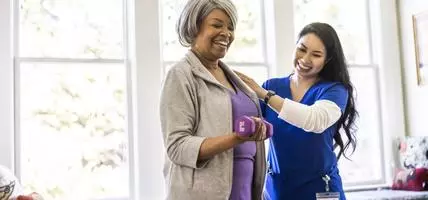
<point x="328" y="196"/>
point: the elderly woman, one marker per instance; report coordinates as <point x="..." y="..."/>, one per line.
<point x="201" y="97"/>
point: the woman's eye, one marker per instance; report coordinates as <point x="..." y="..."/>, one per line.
<point x="217" y="25"/>
<point x="301" y="49"/>
<point x="316" y="55"/>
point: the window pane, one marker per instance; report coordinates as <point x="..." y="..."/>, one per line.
<point x="71" y="28"/>
<point x="172" y="49"/>
<point x="72" y="130"/>
<point x="348" y="17"/>
<point x="248" y="43"/>
<point x="366" y="164"/>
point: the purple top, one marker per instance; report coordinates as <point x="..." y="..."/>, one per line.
<point x="243" y="161"/>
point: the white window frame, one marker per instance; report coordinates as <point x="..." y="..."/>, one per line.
<point x="385" y="61"/>
<point x="144" y="59"/>
<point x="385" y="43"/>
<point x="373" y="65"/>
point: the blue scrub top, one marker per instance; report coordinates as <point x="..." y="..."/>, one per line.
<point x="297" y="160"/>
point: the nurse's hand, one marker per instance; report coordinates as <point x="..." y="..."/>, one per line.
<point x="261" y="92"/>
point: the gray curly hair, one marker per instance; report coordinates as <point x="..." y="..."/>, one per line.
<point x="195" y="11"/>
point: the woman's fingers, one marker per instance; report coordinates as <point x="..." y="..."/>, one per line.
<point x="244" y="77"/>
<point x="260" y="133"/>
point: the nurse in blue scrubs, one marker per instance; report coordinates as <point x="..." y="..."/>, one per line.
<point x="308" y="110"/>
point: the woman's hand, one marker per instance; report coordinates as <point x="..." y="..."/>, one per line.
<point x="258" y="135"/>
<point x="261" y="92"/>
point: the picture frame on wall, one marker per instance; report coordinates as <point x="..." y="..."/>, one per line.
<point x="420" y="33"/>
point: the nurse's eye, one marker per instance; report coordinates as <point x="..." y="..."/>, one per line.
<point x="301" y="49"/>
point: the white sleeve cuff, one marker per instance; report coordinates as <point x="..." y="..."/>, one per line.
<point x="315" y="118"/>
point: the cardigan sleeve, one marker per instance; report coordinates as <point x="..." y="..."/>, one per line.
<point x="178" y="120"/>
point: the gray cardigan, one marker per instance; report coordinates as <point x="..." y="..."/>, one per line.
<point x="194" y="106"/>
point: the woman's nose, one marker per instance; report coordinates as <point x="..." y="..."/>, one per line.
<point x="306" y="58"/>
<point x="226" y="33"/>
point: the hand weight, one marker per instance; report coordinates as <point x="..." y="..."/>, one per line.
<point x="245" y="126"/>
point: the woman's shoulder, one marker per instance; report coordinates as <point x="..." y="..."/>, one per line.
<point x="180" y="71"/>
<point x="182" y="66"/>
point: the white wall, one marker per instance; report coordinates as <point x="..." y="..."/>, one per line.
<point x="6" y="86"/>
<point x="415" y="97"/>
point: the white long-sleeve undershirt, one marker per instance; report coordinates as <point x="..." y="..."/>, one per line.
<point x="314" y="118"/>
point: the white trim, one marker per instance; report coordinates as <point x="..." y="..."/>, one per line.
<point x="145" y="59"/>
<point x="391" y="92"/>
<point x="373" y="7"/>
<point x="279" y="24"/>
<point x="17" y="115"/>
<point x="6" y="85"/>
<point x="129" y="129"/>
<point x="264" y="37"/>
<point x="15" y="27"/>
<point x="68" y="60"/>
<point x="15" y="49"/>
<point x="369" y="8"/>
<point x="382" y="142"/>
<point x="363" y="66"/>
<point x="366" y="186"/>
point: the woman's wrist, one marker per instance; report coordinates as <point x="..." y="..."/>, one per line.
<point x="262" y="94"/>
<point x="237" y="139"/>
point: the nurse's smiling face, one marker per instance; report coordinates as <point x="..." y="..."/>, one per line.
<point x="309" y="56"/>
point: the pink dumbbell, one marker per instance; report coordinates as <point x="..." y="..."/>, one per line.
<point x="245" y="126"/>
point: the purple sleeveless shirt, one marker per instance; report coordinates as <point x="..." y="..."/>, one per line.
<point x="243" y="161"/>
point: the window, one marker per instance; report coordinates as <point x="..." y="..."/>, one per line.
<point x="248" y="51"/>
<point x="71" y="98"/>
<point x="351" y="20"/>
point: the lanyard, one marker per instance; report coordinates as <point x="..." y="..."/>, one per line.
<point x="326" y="179"/>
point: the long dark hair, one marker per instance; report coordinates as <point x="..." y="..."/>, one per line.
<point x="336" y="70"/>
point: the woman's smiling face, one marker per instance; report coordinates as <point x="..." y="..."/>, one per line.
<point x="216" y="33"/>
<point x="310" y="55"/>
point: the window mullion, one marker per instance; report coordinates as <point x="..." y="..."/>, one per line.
<point x="145" y="60"/>
<point x="370" y="30"/>
<point x="68" y="60"/>
<point x="363" y="66"/>
<point x="263" y="21"/>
